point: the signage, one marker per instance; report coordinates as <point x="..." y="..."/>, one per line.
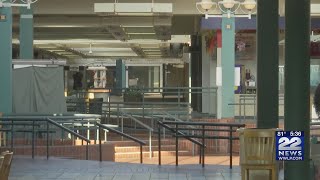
<point x="290" y="145"/>
<point x="2" y="17"/>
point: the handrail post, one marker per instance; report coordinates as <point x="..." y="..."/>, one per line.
<point x="178" y="96"/>
<point x="203" y="141"/>
<point x="230" y="146"/>
<point x="100" y="145"/>
<point x="150" y="144"/>
<point x="118" y="111"/>
<point x="47" y="139"/>
<point x="164" y="129"/>
<point x="200" y="153"/>
<point x="32" y="139"/>
<point x="109" y="110"/>
<point x="87" y="150"/>
<point x="122" y="126"/>
<point x="12" y="135"/>
<point x="143" y="103"/>
<point x="177" y="153"/>
<point x="141" y="154"/>
<point x="159" y="143"/>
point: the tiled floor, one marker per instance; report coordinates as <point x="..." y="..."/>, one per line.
<point x="65" y="169"/>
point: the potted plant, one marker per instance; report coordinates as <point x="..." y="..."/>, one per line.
<point x="132" y="94"/>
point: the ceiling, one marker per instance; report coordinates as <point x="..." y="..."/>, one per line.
<point x="68" y="29"/>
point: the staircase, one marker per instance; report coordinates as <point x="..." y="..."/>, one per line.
<point x="126" y="149"/>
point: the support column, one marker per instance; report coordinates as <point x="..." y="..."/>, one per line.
<point x="227" y="64"/>
<point x="208" y="80"/>
<point x="196" y="69"/>
<point x="120" y="75"/>
<point x="26" y="33"/>
<point x="297" y="81"/>
<point x="6" y="60"/>
<point x="267" y="64"/>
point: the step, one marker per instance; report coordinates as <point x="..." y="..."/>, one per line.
<point x="146" y="154"/>
<point x="154" y="142"/>
<point x="145" y="148"/>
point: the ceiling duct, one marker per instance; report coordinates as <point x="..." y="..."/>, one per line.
<point x="137" y="49"/>
<point x="118" y="32"/>
<point x="162" y="27"/>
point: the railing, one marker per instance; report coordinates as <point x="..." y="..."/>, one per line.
<point x="101" y="126"/>
<point x="249" y="102"/>
<point x="201" y="145"/>
<point x="108" y="109"/>
<point x="143" y="125"/>
<point x="22" y="120"/>
<point x="202" y="134"/>
<point x="181" y="94"/>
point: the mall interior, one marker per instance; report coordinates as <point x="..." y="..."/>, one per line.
<point x="158" y="89"/>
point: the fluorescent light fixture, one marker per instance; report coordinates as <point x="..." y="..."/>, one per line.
<point x="144" y="33"/>
<point x="56" y="50"/>
<point x="135" y="26"/>
<point x="61" y="26"/>
<point x="132" y="8"/>
<point x="38" y="62"/>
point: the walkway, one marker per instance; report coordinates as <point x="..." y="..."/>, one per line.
<point x="24" y="168"/>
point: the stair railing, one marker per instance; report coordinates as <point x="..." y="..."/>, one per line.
<point x="177" y="132"/>
<point x="101" y="126"/>
<point x="150" y="129"/>
<point x="24" y="120"/>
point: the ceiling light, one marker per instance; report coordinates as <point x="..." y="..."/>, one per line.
<point x="228" y="3"/>
<point x="249" y="4"/>
<point x="228" y="7"/>
<point x="206" y="6"/>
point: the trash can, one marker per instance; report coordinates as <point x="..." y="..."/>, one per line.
<point x="95" y="106"/>
<point x="257" y="151"/>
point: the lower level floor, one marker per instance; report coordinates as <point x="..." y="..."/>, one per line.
<point x="25" y="168"/>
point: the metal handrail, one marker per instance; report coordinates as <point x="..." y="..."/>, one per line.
<point x="68" y="130"/>
<point x="182" y="134"/>
<point x="101" y="126"/>
<point x="40" y="119"/>
<point x="205" y="123"/>
<point x="203" y="137"/>
<point x="137" y="121"/>
<point x="145" y="126"/>
<point x="202" y="146"/>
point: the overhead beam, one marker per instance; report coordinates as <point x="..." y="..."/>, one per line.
<point x="67" y="49"/>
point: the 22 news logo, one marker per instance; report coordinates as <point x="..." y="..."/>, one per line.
<point x="289" y="145"/>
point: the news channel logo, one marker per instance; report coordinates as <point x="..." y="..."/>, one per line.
<point x="290" y="145"/>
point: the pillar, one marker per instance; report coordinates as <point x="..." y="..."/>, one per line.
<point x="6" y="60"/>
<point x="226" y="61"/>
<point x="208" y="80"/>
<point x="196" y="69"/>
<point x="267" y="64"/>
<point x="297" y="81"/>
<point x="26" y="33"/>
<point x="120" y="75"/>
